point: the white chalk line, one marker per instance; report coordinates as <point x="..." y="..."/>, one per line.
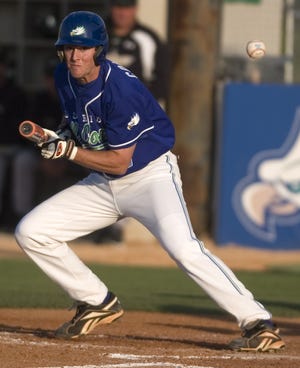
<point x="233" y="356"/>
<point x="140" y="360"/>
<point x="135" y="365"/>
<point x="6" y="338"/>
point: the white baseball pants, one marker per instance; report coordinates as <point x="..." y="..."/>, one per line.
<point x="153" y="196"/>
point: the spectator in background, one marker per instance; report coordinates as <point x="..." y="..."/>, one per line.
<point x="13" y="109"/>
<point x="24" y="177"/>
<point x="140" y="49"/>
<point x="47" y="177"/>
<point x="31" y="174"/>
<point x="46" y="107"/>
<point x="46" y="111"/>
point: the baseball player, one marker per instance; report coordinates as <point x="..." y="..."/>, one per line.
<point x="116" y="128"/>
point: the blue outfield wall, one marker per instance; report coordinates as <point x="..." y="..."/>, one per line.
<point x="257" y="180"/>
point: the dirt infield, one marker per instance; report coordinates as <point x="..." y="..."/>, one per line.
<point x="136" y="340"/>
<point x="141" y="339"/>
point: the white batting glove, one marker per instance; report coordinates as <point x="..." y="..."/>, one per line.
<point x="59" y="148"/>
<point x="51" y="136"/>
<point x="51" y="133"/>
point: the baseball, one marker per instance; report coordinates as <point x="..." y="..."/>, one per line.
<point x="256" y="49"/>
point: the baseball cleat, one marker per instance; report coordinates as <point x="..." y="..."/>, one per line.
<point x="258" y="336"/>
<point x="87" y="317"/>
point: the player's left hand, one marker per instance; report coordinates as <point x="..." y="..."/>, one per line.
<point x="58" y="148"/>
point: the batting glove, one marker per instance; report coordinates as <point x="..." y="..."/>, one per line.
<point x="58" y="148"/>
<point x="51" y="136"/>
<point x="51" y="133"/>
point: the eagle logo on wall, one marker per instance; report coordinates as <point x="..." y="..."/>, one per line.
<point x="269" y="196"/>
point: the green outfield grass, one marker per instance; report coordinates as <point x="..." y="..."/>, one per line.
<point x="23" y="285"/>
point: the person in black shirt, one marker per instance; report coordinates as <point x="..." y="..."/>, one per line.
<point x="13" y="109"/>
<point x="138" y="48"/>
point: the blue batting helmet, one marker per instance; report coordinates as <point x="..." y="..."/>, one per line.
<point x="83" y="28"/>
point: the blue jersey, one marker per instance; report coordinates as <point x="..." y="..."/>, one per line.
<point x="115" y="111"/>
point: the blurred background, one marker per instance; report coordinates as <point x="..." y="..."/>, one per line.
<point x="29" y="29"/>
<point x="230" y="112"/>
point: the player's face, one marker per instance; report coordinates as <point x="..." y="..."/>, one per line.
<point x="123" y="17"/>
<point x="80" y="62"/>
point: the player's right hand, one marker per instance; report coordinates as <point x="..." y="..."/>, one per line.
<point x="58" y="148"/>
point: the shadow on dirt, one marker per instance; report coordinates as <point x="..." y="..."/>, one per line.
<point x="201" y="343"/>
<point x="23" y="330"/>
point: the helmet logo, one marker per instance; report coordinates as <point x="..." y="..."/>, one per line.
<point x="78" y="31"/>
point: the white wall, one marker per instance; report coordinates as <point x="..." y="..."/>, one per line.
<point x="241" y="23"/>
<point x="154" y="14"/>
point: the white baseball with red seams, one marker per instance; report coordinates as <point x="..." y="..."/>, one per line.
<point x="256" y="49"/>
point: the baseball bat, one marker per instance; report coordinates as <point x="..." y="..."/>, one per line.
<point x="33" y="132"/>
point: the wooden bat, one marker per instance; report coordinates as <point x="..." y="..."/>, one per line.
<point x="33" y="132"/>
